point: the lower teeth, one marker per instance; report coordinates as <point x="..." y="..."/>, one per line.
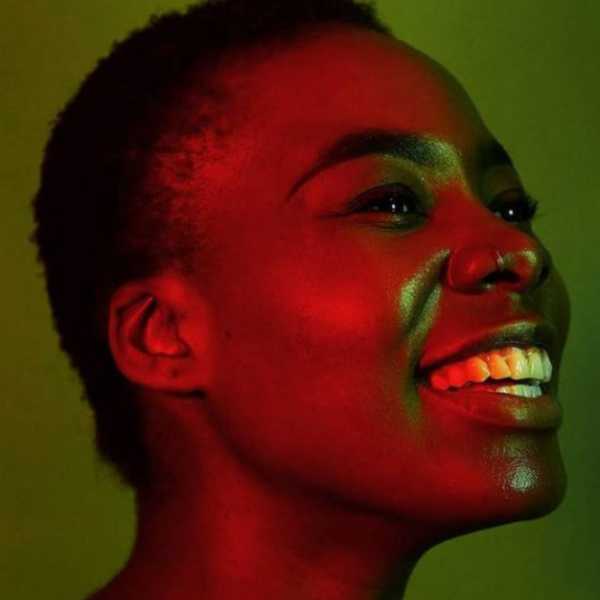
<point x="529" y="391"/>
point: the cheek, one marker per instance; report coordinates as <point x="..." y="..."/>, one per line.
<point x="307" y="300"/>
<point x="310" y="354"/>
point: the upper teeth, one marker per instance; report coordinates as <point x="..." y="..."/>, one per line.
<point x="507" y="362"/>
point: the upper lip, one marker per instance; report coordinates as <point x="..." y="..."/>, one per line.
<point x="519" y="333"/>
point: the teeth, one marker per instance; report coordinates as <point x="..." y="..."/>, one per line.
<point x="476" y="369"/>
<point x="517" y="363"/>
<point x="547" y="366"/>
<point x="508" y="362"/>
<point x="456" y="375"/>
<point x="439" y="382"/>
<point x="497" y="366"/>
<point x="529" y="391"/>
<point x="536" y="363"/>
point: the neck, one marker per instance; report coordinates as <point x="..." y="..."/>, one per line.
<point x="228" y="532"/>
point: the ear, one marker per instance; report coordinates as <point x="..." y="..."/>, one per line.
<point x="158" y="335"/>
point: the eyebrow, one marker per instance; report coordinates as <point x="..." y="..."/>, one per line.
<point x="421" y="150"/>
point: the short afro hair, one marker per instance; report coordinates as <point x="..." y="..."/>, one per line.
<point x="99" y="215"/>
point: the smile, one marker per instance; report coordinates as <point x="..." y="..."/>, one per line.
<point x="503" y="379"/>
<point x="531" y="366"/>
<point x="507" y="386"/>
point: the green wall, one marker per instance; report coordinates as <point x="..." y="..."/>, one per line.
<point x="533" y="69"/>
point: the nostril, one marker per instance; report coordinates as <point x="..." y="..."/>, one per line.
<point x="497" y="276"/>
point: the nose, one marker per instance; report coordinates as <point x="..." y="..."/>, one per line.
<point x="479" y="267"/>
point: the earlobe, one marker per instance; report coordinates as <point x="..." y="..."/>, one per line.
<point x="146" y="344"/>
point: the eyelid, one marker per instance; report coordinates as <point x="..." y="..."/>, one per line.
<point x="362" y="200"/>
<point x="518" y="195"/>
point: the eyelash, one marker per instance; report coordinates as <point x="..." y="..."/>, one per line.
<point x="374" y="197"/>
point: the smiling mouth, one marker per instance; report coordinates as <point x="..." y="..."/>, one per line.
<point x="503" y="377"/>
<point x="507" y="387"/>
<point x="521" y="371"/>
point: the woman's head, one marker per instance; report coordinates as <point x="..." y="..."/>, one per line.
<point x="108" y="209"/>
<point x="358" y="222"/>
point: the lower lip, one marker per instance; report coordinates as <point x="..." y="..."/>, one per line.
<point x="493" y="408"/>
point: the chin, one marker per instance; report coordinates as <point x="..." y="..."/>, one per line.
<point x="538" y="497"/>
<point x="527" y="485"/>
<point x="528" y="490"/>
<point x="535" y="483"/>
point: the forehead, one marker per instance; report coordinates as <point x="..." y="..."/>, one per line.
<point x="289" y="102"/>
<point x="340" y="77"/>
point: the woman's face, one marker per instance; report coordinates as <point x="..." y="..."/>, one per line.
<point x="326" y="300"/>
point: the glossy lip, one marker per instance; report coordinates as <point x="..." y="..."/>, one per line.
<point x="519" y="333"/>
<point x="501" y="410"/>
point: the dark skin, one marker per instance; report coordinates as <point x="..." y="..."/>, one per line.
<point x="296" y="456"/>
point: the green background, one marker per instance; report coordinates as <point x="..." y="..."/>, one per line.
<point x="533" y="69"/>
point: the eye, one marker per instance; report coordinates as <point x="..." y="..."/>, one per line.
<point x="515" y="208"/>
<point x="398" y="201"/>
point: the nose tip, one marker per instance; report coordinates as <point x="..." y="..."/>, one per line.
<point x="472" y="269"/>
